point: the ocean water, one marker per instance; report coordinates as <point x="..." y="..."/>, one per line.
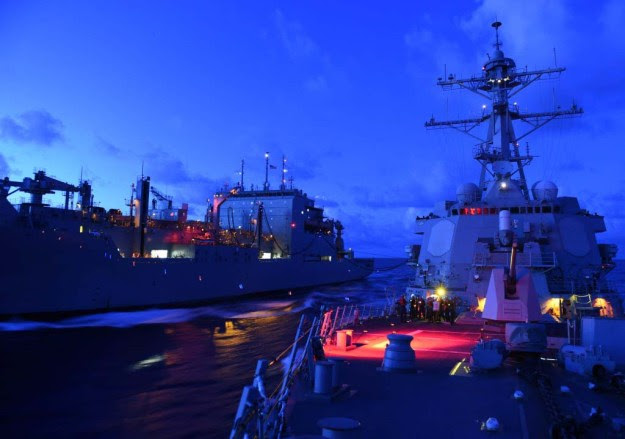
<point x="161" y="373"/>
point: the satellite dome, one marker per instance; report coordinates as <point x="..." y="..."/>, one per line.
<point x="545" y="190"/>
<point x="468" y="192"/>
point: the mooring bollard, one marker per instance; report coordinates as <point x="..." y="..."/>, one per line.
<point x="337" y="371"/>
<point x="398" y="355"/>
<point x="344" y="339"/>
<point x="323" y="377"/>
<point x="339" y="428"/>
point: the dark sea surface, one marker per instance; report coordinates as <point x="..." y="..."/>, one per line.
<point x="158" y="373"/>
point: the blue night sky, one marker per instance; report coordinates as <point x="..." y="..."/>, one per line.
<point x="190" y="88"/>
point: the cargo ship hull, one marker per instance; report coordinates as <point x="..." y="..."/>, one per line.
<point x="50" y="271"/>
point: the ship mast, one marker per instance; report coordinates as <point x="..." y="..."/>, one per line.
<point x="283" y="181"/>
<point x="498" y="153"/>
<point x="266" y="183"/>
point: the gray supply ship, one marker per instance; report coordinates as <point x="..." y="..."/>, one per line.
<point x="466" y="238"/>
<point x="83" y="258"/>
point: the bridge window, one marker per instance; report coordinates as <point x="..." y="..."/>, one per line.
<point x="530" y="209"/>
<point x="514" y="210"/>
<point x="546" y="209"/>
<point x="454" y="211"/>
<point x="523" y="209"/>
<point x="493" y="211"/>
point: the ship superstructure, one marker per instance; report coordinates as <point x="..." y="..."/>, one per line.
<point x="464" y="239"/>
<point x="84" y="258"/>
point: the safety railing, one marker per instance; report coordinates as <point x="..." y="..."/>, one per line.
<point x="261" y="414"/>
<point x="584" y="286"/>
<point x="333" y="320"/>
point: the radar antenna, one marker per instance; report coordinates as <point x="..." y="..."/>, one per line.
<point x="500" y="80"/>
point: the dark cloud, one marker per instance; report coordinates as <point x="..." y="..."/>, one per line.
<point x="106" y="147"/>
<point x="324" y="202"/>
<point x="573" y="166"/>
<point x="35" y="126"/>
<point x="307" y="170"/>
<point x="397" y="196"/>
<point x="171" y="175"/>
<point x="432" y="185"/>
<point x="369" y="235"/>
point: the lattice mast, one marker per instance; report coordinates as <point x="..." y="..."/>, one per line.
<point x="500" y="81"/>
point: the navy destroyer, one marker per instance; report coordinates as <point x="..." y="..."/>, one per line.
<point x="465" y="239"/>
<point x="84" y="258"/>
<point x="365" y="370"/>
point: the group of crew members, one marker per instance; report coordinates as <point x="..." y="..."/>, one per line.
<point x="432" y="309"/>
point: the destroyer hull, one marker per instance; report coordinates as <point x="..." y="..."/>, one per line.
<point x="50" y="271"/>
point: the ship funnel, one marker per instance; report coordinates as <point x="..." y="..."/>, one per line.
<point x="143" y="196"/>
<point x="85" y="195"/>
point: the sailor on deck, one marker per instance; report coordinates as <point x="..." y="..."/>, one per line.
<point x="401" y="308"/>
<point x="421" y="308"/>
<point x="413" y="307"/>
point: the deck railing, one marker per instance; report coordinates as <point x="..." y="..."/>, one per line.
<point x="333" y="320"/>
<point x="261" y="414"/>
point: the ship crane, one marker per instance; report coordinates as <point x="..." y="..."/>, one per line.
<point x="160" y="197"/>
<point x="500" y="81"/>
<point x="42" y="185"/>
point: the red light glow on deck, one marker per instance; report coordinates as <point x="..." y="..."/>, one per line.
<point x="430" y="343"/>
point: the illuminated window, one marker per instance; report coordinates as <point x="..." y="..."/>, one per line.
<point x="158" y="253"/>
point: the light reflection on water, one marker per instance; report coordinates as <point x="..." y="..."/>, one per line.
<point x="162" y="372"/>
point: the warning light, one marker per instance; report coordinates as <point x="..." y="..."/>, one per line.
<point x="292" y="225"/>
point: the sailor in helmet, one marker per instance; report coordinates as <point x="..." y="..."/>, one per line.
<point x="413" y="307"/>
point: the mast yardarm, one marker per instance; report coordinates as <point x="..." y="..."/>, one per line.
<point x="498" y="152"/>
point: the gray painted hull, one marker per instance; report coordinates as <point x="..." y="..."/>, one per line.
<point x="50" y="271"/>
